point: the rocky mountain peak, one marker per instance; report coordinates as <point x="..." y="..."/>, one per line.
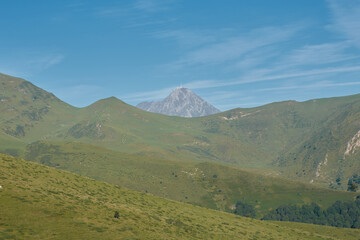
<point x="181" y="102"/>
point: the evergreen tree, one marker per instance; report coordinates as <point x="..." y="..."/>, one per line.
<point x="244" y="209"/>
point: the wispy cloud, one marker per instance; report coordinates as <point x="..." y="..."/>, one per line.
<point x="44" y="62"/>
<point x="139" y="13"/>
<point x="240" y="81"/>
<point x="235" y="47"/>
<point x="317" y="85"/>
<point x="205" y="84"/>
<point x="25" y="63"/>
<point x="319" y="54"/>
<point x="135" y="24"/>
<point x="113" y="12"/>
<point x="75" y="4"/>
<point x="154" y="5"/>
<point x="346" y="19"/>
<point x="186" y="37"/>
<point x="255" y="58"/>
<point x="224" y="58"/>
<point x="256" y="48"/>
<point x="252" y="52"/>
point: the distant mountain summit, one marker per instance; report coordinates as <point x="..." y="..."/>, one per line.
<point x="181" y="102"/>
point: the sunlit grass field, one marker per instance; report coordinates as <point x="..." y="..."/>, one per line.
<point x="38" y="202"/>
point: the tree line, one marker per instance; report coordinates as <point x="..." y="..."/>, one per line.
<point x="340" y="214"/>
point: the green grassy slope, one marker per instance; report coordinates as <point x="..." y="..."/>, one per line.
<point x="30" y="113"/>
<point x="277" y="127"/>
<point x="38" y="202"/>
<point x="271" y="136"/>
<point x="324" y="151"/>
<point x="290" y="138"/>
<point x="268" y="137"/>
<point x="206" y="184"/>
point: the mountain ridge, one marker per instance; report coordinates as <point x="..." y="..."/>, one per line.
<point x="286" y="137"/>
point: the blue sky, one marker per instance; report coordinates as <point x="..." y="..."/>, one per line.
<point x="232" y="53"/>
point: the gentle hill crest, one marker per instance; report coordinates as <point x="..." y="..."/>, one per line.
<point x="105" y="101"/>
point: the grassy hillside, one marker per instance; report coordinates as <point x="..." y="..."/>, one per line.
<point x="330" y="151"/>
<point x="28" y="112"/>
<point x="39" y="202"/>
<point x="205" y="184"/>
<point x="290" y="138"/>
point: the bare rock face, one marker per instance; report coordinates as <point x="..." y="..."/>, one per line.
<point x="182" y="102"/>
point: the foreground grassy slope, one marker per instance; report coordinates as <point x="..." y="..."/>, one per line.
<point x="205" y="184"/>
<point x="38" y="202"/>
